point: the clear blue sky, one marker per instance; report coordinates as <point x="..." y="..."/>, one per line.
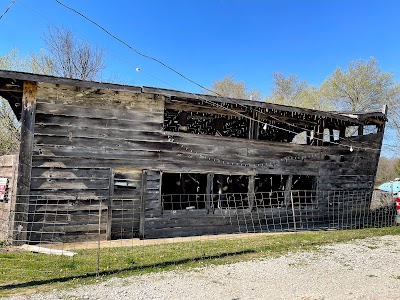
<point x="208" y="39"/>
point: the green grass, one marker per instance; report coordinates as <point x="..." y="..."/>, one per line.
<point x="25" y="272"/>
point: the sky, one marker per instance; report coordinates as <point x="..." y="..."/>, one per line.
<point x="206" y="40"/>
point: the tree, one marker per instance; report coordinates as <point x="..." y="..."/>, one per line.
<point x="13" y="61"/>
<point x="9" y="129"/>
<point x="363" y="86"/>
<point x="387" y="169"/>
<point x="397" y="167"/>
<point x="64" y="55"/>
<point x="9" y="126"/>
<point x="293" y="91"/>
<point x="228" y="87"/>
<point x="67" y="56"/>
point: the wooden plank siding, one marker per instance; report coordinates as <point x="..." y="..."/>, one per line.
<point x="82" y="135"/>
<point x="89" y="134"/>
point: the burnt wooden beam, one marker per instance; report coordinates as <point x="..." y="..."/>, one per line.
<point x="67" y="81"/>
<point x="342" y="132"/>
<point x="375" y="121"/>
<point x="331" y="135"/>
<point x="25" y="162"/>
<point x="250" y="103"/>
<point x="360" y="130"/>
<point x="15" y="100"/>
<point x="8" y="87"/>
<point x="203" y="108"/>
<point x="209" y="190"/>
<point x="320" y="133"/>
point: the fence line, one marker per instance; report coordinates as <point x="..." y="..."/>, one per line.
<point x="80" y="227"/>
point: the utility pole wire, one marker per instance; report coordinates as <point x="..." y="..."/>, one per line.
<point x="135" y="50"/>
<point x="190" y="80"/>
<point x="8" y="8"/>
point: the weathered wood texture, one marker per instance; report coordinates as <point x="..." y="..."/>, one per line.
<point x="82" y="133"/>
<point x="21" y="208"/>
<point x="9" y="170"/>
<point x="66" y="202"/>
<point x="126" y="203"/>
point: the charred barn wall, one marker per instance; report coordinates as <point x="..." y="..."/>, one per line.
<point x="99" y="157"/>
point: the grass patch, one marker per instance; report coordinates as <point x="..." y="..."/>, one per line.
<point x="25" y="272"/>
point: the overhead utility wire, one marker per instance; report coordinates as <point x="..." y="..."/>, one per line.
<point x="7" y="9"/>
<point x="133" y="49"/>
<point x="177" y="72"/>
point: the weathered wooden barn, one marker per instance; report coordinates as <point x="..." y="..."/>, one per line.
<point x="125" y="161"/>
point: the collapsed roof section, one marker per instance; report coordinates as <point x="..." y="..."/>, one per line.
<point x="254" y="114"/>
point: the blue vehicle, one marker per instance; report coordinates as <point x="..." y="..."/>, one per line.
<point x="391" y="186"/>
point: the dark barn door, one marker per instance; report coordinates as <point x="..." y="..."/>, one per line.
<point x="125" y="203"/>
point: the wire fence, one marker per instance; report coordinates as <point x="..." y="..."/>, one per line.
<point x="64" y="237"/>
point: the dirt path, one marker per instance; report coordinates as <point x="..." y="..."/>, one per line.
<point x="364" y="269"/>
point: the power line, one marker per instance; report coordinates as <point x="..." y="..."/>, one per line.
<point x="133" y="49"/>
<point x="190" y="80"/>
<point x="7" y="9"/>
<point x="265" y="123"/>
<point x="202" y="98"/>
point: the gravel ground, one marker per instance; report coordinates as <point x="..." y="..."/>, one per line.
<point x="363" y="269"/>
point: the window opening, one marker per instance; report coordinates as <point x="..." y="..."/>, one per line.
<point x="370" y="129"/>
<point x="230" y="191"/>
<point x="303" y="189"/>
<point x="206" y="123"/>
<point x="181" y="191"/>
<point x="300" y="138"/>
<point x="273" y="190"/>
<point x="269" y="190"/>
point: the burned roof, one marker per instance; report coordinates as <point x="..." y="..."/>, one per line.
<point x="11" y="89"/>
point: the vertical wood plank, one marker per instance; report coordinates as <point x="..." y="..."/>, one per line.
<point x="320" y="135"/>
<point x="342" y="132"/>
<point x="28" y="113"/>
<point x="288" y="189"/>
<point x="331" y="135"/>
<point x="143" y="205"/>
<point x="110" y="205"/>
<point x="360" y="130"/>
<point x="209" y="190"/>
<point x="250" y="193"/>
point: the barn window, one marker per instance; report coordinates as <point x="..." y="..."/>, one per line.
<point x="230" y="191"/>
<point x="303" y="189"/>
<point x="205" y="123"/>
<point x="370" y="129"/>
<point x="181" y="191"/>
<point x="271" y="190"/>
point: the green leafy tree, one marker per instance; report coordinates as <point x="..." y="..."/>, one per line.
<point x="293" y="91"/>
<point x="13" y="61"/>
<point x="363" y="86"/>
<point x="228" y="87"/>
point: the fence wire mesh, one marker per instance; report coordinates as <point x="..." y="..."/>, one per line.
<point x="61" y="237"/>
